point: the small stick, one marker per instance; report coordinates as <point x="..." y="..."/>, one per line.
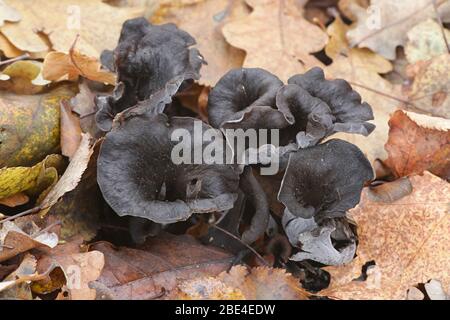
<point x="21" y="214"/>
<point x="22" y="57"/>
<point x="243" y="243"/>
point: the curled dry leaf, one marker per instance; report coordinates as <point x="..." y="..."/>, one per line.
<point x="70" y="130"/>
<point x="155" y="269"/>
<point x="386" y="25"/>
<point x="8" y="13"/>
<point x="390" y="191"/>
<point x="15" y="200"/>
<point x="204" y="20"/>
<point x="261" y="283"/>
<point x="8" y="49"/>
<point x="79" y="270"/>
<point x="33" y="180"/>
<point x="60" y="66"/>
<point x="87" y="18"/>
<point x="278" y="46"/>
<point x="14" y="240"/>
<point x="29" y="126"/>
<point x="418" y="143"/>
<point x="408" y="240"/>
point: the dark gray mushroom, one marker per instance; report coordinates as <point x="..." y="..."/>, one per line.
<point x="148" y="59"/>
<point x="325" y="180"/>
<point x="245" y="98"/>
<point x="139" y="177"/>
<point x="317" y="108"/>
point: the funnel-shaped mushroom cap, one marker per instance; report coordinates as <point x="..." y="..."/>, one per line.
<point x="322" y="107"/>
<point x="325" y="180"/>
<point x="147" y="59"/>
<point x="245" y="98"/>
<point x="140" y="175"/>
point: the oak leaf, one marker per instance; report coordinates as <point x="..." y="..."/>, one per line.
<point x="418" y="143"/>
<point x="385" y="25"/>
<point x="276" y="37"/>
<point x="408" y="240"/>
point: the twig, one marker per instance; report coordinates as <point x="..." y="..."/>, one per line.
<point x="381" y="93"/>
<point x="441" y="25"/>
<point x="244" y="244"/>
<point x="46" y="229"/>
<point x="21" y="214"/>
<point x="22" y="57"/>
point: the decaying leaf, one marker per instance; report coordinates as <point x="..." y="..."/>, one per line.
<point x="270" y="36"/>
<point x="426" y="41"/>
<point x="70" y="130"/>
<point x="60" y="66"/>
<point x="73" y="173"/>
<point x="261" y="283"/>
<point x="8" y="49"/>
<point x="204" y="20"/>
<point x="79" y="270"/>
<point x="29" y="179"/>
<point x="406" y="239"/>
<point x="158" y="267"/>
<point x="14" y="240"/>
<point x="431" y="85"/>
<point x="23" y="77"/>
<point x="418" y="143"/>
<point x="86" y="18"/>
<point x="29" y="126"/>
<point x="386" y="24"/>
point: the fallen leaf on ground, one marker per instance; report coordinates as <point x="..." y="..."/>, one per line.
<point x="418" y="143"/>
<point x="386" y="25"/>
<point x="204" y="21"/>
<point x="19" y="280"/>
<point x="79" y="270"/>
<point x="362" y="69"/>
<point x="158" y="267"/>
<point x="60" y="66"/>
<point x="8" y="49"/>
<point x="261" y="283"/>
<point x="23" y="77"/>
<point x="408" y="240"/>
<point x="431" y="85"/>
<point x="426" y="41"/>
<point x="70" y="130"/>
<point x="276" y="37"/>
<point x="29" y="126"/>
<point x="14" y="240"/>
<point x="29" y="179"/>
<point x="86" y="18"/>
<point x="73" y="173"/>
<point x="15" y="200"/>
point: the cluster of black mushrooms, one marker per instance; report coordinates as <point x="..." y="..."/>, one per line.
<point x="321" y="181"/>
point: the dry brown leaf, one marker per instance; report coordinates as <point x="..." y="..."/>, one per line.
<point x="261" y="283"/>
<point x="158" y="267"/>
<point x="70" y="130"/>
<point x="276" y="37"/>
<point x="345" y="6"/>
<point x="430" y="89"/>
<point x="59" y="66"/>
<point x="386" y="24"/>
<point x="73" y="173"/>
<point x="15" y="200"/>
<point x="97" y="23"/>
<point x="79" y="270"/>
<point x="414" y="147"/>
<point x="408" y="240"/>
<point x="23" y="77"/>
<point x="204" y="21"/>
<point x="362" y="69"/>
<point x="8" y="49"/>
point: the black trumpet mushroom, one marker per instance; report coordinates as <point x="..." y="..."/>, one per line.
<point x="324" y="181"/>
<point x="245" y="98"/>
<point x="139" y="177"/>
<point x="148" y="59"/>
<point x="317" y="108"/>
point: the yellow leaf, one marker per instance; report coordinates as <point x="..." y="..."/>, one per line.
<point x="23" y="77"/>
